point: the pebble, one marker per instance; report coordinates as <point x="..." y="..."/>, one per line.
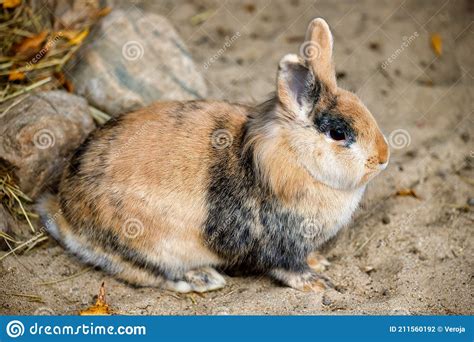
<point x="385" y="219"/>
<point x="326" y="301"/>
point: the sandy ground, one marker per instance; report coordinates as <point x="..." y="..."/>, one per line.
<point x="401" y="255"/>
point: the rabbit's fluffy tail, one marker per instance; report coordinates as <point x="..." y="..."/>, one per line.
<point x="60" y="229"/>
<point x="56" y="224"/>
<point x="50" y="213"/>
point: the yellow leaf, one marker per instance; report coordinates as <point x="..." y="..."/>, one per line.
<point x="77" y="39"/>
<point x="30" y="45"/>
<point x="437" y="43"/>
<point x="16" y="75"/>
<point x="101" y="308"/>
<point x="11" y="3"/>
<point x="68" y="34"/>
<point x="104" y="11"/>
<point x="407" y="192"/>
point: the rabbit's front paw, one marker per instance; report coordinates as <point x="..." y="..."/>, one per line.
<point x="198" y="280"/>
<point x="305" y="281"/>
<point x="204" y="279"/>
<point x="317" y="262"/>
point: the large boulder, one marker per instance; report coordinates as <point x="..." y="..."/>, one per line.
<point x="38" y="133"/>
<point x="132" y="59"/>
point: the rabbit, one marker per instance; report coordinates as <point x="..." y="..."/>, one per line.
<point x="165" y="195"/>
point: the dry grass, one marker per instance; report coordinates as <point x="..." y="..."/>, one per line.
<point x="33" y="54"/>
<point x="13" y="199"/>
<point x="16" y="203"/>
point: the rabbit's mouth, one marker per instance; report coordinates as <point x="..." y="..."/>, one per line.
<point x="369" y="175"/>
<point x="334" y="184"/>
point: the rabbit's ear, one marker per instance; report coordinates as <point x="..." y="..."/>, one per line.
<point x="295" y="85"/>
<point x="317" y="51"/>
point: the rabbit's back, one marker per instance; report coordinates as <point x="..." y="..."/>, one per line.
<point x="140" y="183"/>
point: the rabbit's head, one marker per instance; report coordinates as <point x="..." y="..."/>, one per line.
<point x="325" y="130"/>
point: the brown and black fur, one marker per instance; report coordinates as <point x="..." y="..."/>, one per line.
<point x="151" y="199"/>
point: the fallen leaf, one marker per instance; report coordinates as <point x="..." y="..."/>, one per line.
<point x="101" y="308"/>
<point x="407" y="192"/>
<point x="31" y="45"/>
<point x="201" y="17"/>
<point x="74" y="36"/>
<point x="103" y="11"/>
<point x="68" y="34"/>
<point x="77" y="39"/>
<point x="437" y="44"/>
<point x="294" y="39"/>
<point x="15" y="75"/>
<point x="249" y="8"/>
<point x="11" y="3"/>
<point x="64" y="81"/>
<point x="68" y="86"/>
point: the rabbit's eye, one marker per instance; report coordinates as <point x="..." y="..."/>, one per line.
<point x="336" y="127"/>
<point x="337" y="134"/>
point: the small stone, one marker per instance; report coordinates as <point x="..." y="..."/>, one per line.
<point x="341" y="75"/>
<point x="465" y="137"/>
<point x="223" y="312"/>
<point x="385" y="219"/>
<point x="374" y="46"/>
<point x="470" y="201"/>
<point x="326" y="300"/>
<point x="369" y="269"/>
<point x="442" y="174"/>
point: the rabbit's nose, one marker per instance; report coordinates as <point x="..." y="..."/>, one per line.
<point x="383" y="151"/>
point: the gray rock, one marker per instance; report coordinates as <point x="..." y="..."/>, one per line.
<point x="38" y="133"/>
<point x="132" y="59"/>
